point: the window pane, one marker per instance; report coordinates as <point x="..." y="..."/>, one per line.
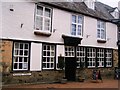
<point x="98" y="24"/>
<point x="21" y="52"/>
<point x="47" y="24"/>
<point x="20" y="59"/>
<point x="73" y="29"/>
<point x="39" y="10"/>
<point x="79" y="29"/>
<point x="15" y="65"/>
<point x="21" y="46"/>
<point x="47" y="12"/>
<point x="44" y="53"/>
<point x="25" y="65"/>
<point x="44" y="65"/>
<point x="102" y="34"/>
<point x="102" y="25"/>
<point x="16" y="52"/>
<point x="16" y="45"/>
<point x="39" y="23"/>
<point x="26" y="46"/>
<point x="98" y="33"/>
<point x="52" y="59"/>
<point x="80" y="19"/>
<point x="25" y="53"/>
<point x="48" y="59"/>
<point x="48" y="47"/>
<point x="48" y="65"/>
<point x="25" y="59"/>
<point x="52" y="65"/>
<point x="73" y="18"/>
<point x="20" y="65"/>
<point x="48" y="53"/>
<point x="15" y="59"/>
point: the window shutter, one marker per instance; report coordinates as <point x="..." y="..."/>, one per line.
<point x="36" y="57"/>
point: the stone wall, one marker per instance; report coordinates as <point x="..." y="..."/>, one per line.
<point x="34" y="77"/>
<point x="43" y="76"/>
<point x="115" y="58"/>
<point x="5" y="55"/>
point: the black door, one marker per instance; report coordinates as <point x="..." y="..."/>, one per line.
<point x="70" y="68"/>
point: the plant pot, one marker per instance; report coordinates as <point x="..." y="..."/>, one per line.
<point x="63" y="81"/>
<point x="81" y="79"/>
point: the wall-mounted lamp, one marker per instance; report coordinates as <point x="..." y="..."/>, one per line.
<point x="21" y="25"/>
<point x="87" y="36"/>
<point x="11" y="8"/>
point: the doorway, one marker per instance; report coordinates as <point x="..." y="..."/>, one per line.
<point x="70" y="68"/>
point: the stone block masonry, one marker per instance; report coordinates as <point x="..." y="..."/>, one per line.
<point x="5" y="55"/>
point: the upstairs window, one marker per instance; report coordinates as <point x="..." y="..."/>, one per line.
<point x="43" y="18"/>
<point x="77" y="24"/>
<point x="101" y="32"/>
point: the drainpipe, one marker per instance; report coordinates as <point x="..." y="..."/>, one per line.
<point x="119" y="54"/>
<point x="118" y="43"/>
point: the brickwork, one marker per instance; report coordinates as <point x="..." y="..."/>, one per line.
<point x="6" y="55"/>
<point x="115" y="58"/>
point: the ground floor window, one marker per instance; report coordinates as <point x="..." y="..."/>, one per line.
<point x="69" y="51"/>
<point x="100" y="57"/>
<point x="80" y="57"/>
<point x="108" y="58"/>
<point x="91" y="56"/>
<point x="48" y="60"/>
<point x="21" y="56"/>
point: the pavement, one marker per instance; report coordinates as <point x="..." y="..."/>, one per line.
<point x="109" y="84"/>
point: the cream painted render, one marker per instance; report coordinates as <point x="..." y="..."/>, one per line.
<point x="36" y="57"/>
<point x="61" y="22"/>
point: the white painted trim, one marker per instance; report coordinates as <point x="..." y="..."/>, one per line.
<point x="22" y="74"/>
<point x="36" y="57"/>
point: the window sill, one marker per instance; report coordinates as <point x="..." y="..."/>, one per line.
<point x="42" y="33"/>
<point x="73" y="36"/>
<point x="22" y="74"/>
<point x="101" y="41"/>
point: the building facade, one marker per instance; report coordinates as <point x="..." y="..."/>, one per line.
<point x="35" y="35"/>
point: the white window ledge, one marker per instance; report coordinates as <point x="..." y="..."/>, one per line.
<point x="42" y="33"/>
<point x="101" y="41"/>
<point x="74" y="36"/>
<point x="21" y="74"/>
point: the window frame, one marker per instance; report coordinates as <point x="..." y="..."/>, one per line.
<point x="44" y="17"/>
<point x="109" y="59"/>
<point x="69" y="51"/>
<point x="77" y="24"/>
<point x="45" y="56"/>
<point x="100" y="57"/>
<point x="91" y="59"/>
<point x="22" y="56"/>
<point x="81" y="56"/>
<point x="99" y="22"/>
